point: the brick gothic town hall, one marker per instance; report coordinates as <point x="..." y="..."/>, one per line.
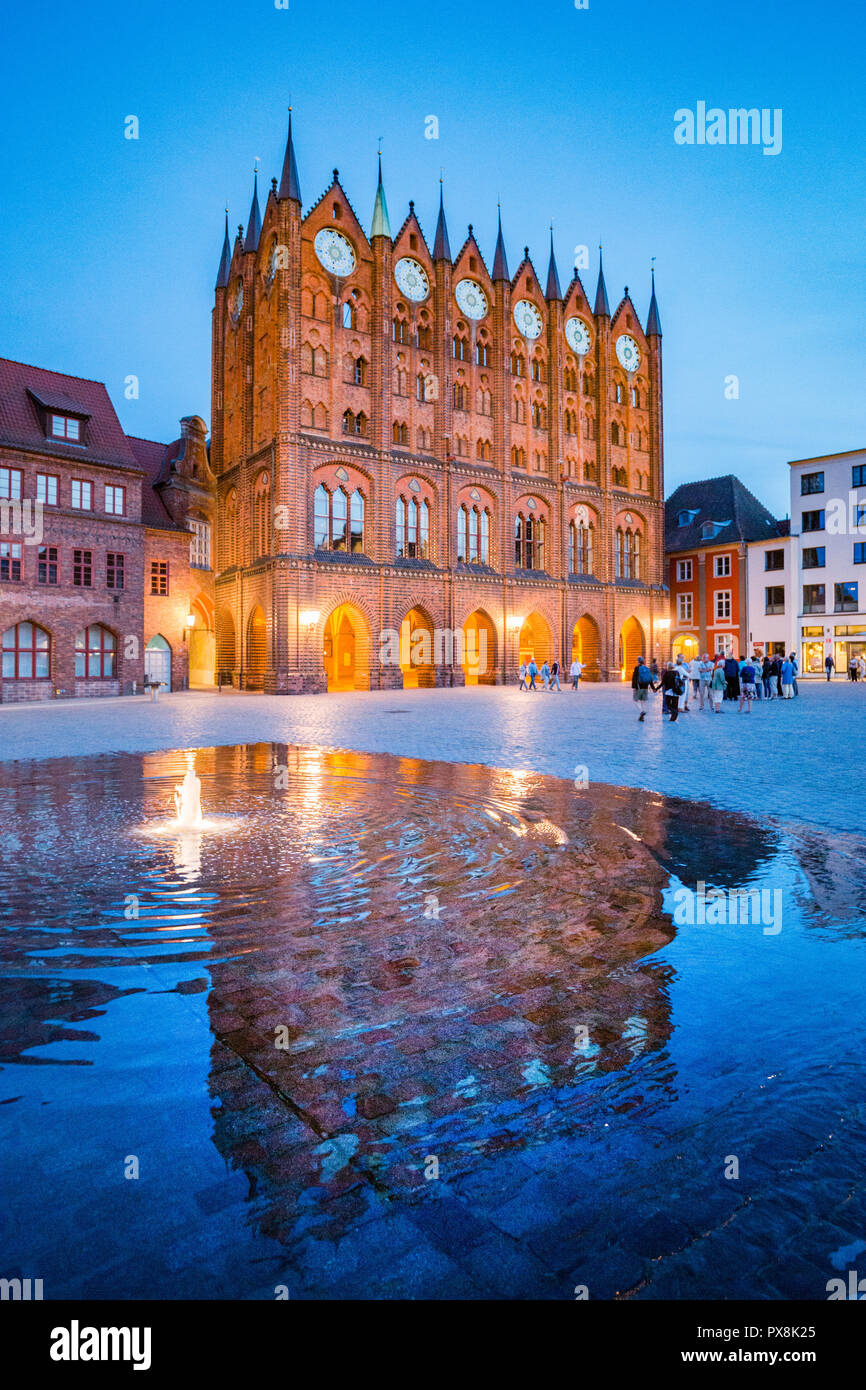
<point x="404" y="440"/>
<point x="419" y="472"/>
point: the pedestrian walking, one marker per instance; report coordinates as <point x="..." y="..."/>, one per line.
<point x="554" y="677"/>
<point x="695" y="677"/>
<point x="732" y="676"/>
<point x="747" y="687"/>
<point x="853" y="668"/>
<point x="718" y="686"/>
<point x="641" y="681"/>
<point x="792" y="657"/>
<point x="673" y="682"/>
<point x="545" y="675"/>
<point x="576" y="672"/>
<point x="532" y="672"/>
<point x="759" y="684"/>
<point x="829" y="663"/>
<point x="654" y="668"/>
<point x="683" y="671"/>
<point x="522" y="674"/>
<point x="705" y="676"/>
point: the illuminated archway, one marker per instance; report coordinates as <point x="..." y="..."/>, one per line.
<point x="257" y="650"/>
<point x="479" y="649"/>
<point x="535" y="640"/>
<point x="632" y="644"/>
<point x="685" y="645"/>
<point x="585" y="647"/>
<point x="416" y="650"/>
<point x="202" y="646"/>
<point x="346" y="649"/>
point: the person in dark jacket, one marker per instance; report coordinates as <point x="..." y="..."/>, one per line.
<point x="829" y="663"/>
<point x="766" y="672"/>
<point x="732" y="676"/>
<point x="673" y="685"/>
<point x="641" y="684"/>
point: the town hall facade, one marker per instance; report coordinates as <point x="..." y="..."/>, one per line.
<point x="405" y="442"/>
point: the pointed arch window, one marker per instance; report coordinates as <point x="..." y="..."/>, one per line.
<point x="339" y="519"/>
<point x="529" y="536"/>
<point x="356" y="520"/>
<point x="349" y="315"/>
<point x="400" y="330"/>
<point x="580" y="547"/>
<point x="321" y="518"/>
<point x="473" y="535"/>
<point x="262" y="515"/>
<point x="231" y="530"/>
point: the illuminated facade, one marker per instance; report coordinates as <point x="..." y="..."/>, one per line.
<point x="404" y="440"/>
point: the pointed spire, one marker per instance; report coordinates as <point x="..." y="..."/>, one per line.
<point x="225" y="259"/>
<point x="381" y="226"/>
<point x="553" y="291"/>
<point x="601" y="304"/>
<point x="653" y="323"/>
<point x="290" y="186"/>
<point x="500" y="264"/>
<point x="254" y="221"/>
<point x="441" y="247"/>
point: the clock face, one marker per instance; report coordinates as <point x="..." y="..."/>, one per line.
<point x="578" y="336"/>
<point x="412" y="279"/>
<point x="628" y="352"/>
<point x="471" y="299"/>
<point x="238" y="300"/>
<point x="334" y="252"/>
<point x="527" y="318"/>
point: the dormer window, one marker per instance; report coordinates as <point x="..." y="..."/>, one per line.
<point x="708" y="530"/>
<point x="65" y="427"/>
<point x="686" y="518"/>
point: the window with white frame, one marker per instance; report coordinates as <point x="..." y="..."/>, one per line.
<point x="684" y="571"/>
<point x="115" y="500"/>
<point x="199" y="546"/>
<point x="82" y="495"/>
<point x="684" y="608"/>
<point x="721" y="566"/>
<point x="724" y="644"/>
<point x="723" y="605"/>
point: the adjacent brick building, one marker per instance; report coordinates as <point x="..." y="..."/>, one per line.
<point x="405" y="441"/>
<point x="98" y="573"/>
<point x="709" y="526"/>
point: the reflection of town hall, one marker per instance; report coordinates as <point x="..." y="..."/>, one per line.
<point x="403" y="439"/>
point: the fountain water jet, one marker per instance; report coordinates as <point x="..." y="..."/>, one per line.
<point x="187" y="798"/>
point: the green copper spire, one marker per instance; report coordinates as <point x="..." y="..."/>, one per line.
<point x="381" y="226"/>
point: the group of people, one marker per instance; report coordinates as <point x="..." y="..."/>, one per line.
<point x="711" y="680"/>
<point x="856" y="666"/>
<point x="548" y="674"/>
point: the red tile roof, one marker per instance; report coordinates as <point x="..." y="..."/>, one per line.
<point x="154" y="458"/>
<point x="23" y="388"/>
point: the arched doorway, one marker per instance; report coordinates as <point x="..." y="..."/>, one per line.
<point x="346" y="653"/>
<point x="584" y="647"/>
<point x="686" y="645"/>
<point x="257" y="650"/>
<point x="479" y="649"/>
<point x="157" y="661"/>
<point x="416" y="650"/>
<point x="202" y="647"/>
<point x="632" y="644"/>
<point x="535" y="640"/>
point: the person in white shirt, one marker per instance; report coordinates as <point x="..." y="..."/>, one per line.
<point x="705" y="667"/>
<point x="576" y="672"/>
<point x="683" y="668"/>
<point x="695" y="676"/>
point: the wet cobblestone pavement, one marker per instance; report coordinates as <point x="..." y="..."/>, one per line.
<point x="390" y="1028"/>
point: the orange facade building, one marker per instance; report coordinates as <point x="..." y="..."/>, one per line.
<point x="426" y="469"/>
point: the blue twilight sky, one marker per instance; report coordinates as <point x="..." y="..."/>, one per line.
<point x="110" y="247"/>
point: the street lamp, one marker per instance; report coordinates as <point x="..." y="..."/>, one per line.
<point x="189" y="624"/>
<point x="515" y="623"/>
<point x="308" y="618"/>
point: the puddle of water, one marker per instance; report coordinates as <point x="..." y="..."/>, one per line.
<point x="371" y="981"/>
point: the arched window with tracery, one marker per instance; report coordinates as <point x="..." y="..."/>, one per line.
<point x="581" y="536"/>
<point x="413" y="528"/>
<point x="529" y="535"/>
<point x="473" y="535"/>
